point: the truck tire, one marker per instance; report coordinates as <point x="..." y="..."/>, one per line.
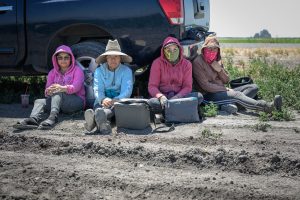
<point x="85" y="54"/>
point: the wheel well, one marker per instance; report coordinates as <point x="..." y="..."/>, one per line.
<point x="75" y="34"/>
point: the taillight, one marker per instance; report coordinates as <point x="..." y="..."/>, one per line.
<point x="173" y="9"/>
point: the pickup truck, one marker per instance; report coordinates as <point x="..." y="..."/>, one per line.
<point x="30" y="30"/>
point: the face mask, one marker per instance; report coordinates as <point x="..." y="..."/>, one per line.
<point x="171" y="56"/>
<point x="209" y="55"/>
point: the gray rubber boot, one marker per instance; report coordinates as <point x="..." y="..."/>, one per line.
<point x="101" y="121"/>
<point x="50" y="122"/>
<point x="89" y="117"/>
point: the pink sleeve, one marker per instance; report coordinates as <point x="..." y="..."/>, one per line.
<point x="78" y="81"/>
<point x="50" y="81"/>
<point x="187" y="81"/>
<point x="154" y="80"/>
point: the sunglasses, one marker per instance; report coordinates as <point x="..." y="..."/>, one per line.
<point x="63" y="57"/>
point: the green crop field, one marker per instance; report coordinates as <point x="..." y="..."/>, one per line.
<point x="259" y="40"/>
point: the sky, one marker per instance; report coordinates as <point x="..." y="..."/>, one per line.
<point x="244" y="18"/>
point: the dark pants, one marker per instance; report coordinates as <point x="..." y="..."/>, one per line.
<point x="66" y="103"/>
<point x="242" y="96"/>
<point x="156" y="106"/>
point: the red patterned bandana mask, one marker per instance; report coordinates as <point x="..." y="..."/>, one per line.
<point x="209" y="55"/>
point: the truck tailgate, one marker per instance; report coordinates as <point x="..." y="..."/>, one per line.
<point x="197" y="14"/>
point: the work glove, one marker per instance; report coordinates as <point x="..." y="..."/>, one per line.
<point x="163" y="101"/>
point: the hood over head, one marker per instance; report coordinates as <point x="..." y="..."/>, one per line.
<point x="63" y="49"/>
<point x="168" y="41"/>
<point x="212" y="41"/>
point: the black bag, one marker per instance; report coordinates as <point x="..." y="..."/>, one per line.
<point x="182" y="110"/>
<point x="240" y="82"/>
<point x="132" y="114"/>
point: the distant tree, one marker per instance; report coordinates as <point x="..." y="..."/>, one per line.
<point x="256" y="35"/>
<point x="263" y="34"/>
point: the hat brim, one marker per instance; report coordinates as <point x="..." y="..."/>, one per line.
<point x="124" y="57"/>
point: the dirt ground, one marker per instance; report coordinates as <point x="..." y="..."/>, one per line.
<point x="226" y="157"/>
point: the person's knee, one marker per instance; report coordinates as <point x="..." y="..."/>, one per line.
<point x="40" y="101"/>
<point x="153" y="101"/>
<point x="234" y="94"/>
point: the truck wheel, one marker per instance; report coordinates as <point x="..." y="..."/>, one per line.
<point x="85" y="54"/>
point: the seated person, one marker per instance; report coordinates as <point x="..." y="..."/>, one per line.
<point x="210" y="79"/>
<point x="170" y="76"/>
<point x="112" y="82"/>
<point x="64" y="92"/>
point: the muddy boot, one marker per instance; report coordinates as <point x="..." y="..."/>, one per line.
<point x="278" y="102"/>
<point x="27" y="123"/>
<point x="275" y="105"/>
<point x="89" y="117"/>
<point x="101" y="121"/>
<point x="50" y="122"/>
<point x="229" y="108"/>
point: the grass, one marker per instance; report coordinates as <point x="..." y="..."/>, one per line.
<point x="272" y="79"/>
<point x="283" y="115"/>
<point x="259" y="40"/>
<point x="207" y="133"/>
<point x="209" y="110"/>
<point x="261" y="126"/>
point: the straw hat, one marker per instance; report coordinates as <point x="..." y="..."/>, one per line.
<point x="113" y="48"/>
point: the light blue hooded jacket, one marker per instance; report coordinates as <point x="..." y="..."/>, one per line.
<point x="116" y="84"/>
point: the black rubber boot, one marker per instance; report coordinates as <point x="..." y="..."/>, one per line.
<point x="50" y="122"/>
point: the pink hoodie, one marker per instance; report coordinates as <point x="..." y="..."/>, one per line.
<point x="166" y="78"/>
<point x="73" y="78"/>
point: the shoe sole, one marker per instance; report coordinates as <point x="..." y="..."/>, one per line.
<point x="89" y="124"/>
<point x="43" y="127"/>
<point x="24" y="127"/>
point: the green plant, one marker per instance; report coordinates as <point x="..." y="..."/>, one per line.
<point x="11" y="87"/>
<point x="233" y="71"/>
<point x="283" y="115"/>
<point x="261" y="126"/>
<point x="207" y="133"/>
<point x="209" y="110"/>
<point x="272" y="79"/>
<point x="259" y="40"/>
<point x="263" y="116"/>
